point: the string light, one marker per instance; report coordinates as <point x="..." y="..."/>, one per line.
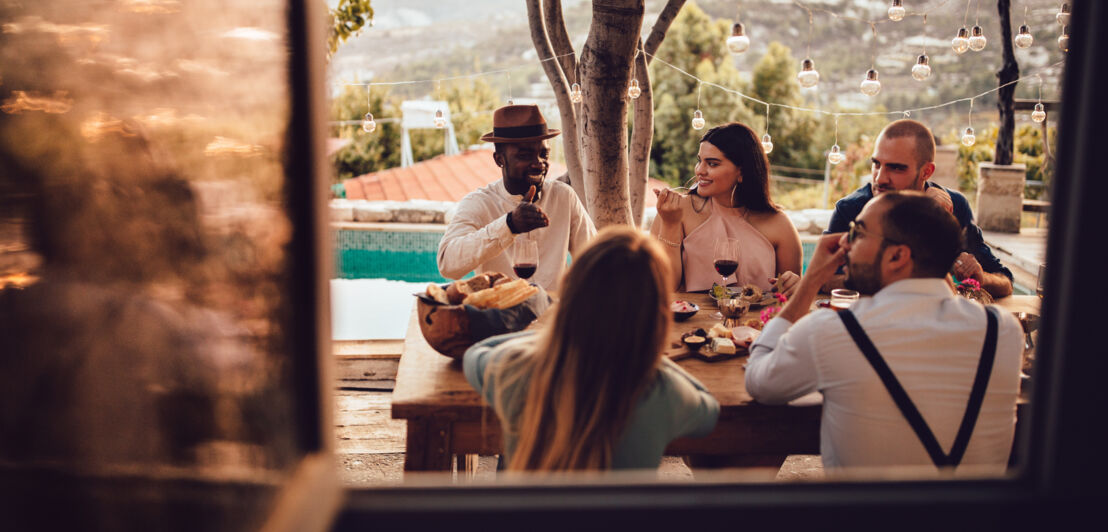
<point x="697" y="116"/>
<point x="1063" y="16"/>
<point x="977" y="39"/>
<point x="834" y="156"/>
<point x="922" y="68"/>
<point x="634" y="91"/>
<point x="870" y="86"/>
<point x="1064" y="39"/>
<point x="440" y="121"/>
<point x="1024" y="38"/>
<point x="1039" y="114"/>
<point x="808" y="77"/>
<point x="369" y="125"/>
<point x="896" y="11"/>
<point x="960" y="43"/>
<point x="575" y="93"/>
<point x="738" y="42"/>
<point x="968" y="137"/>
<point x="767" y="142"/>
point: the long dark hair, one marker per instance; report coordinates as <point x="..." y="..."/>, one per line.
<point x="743" y="148"/>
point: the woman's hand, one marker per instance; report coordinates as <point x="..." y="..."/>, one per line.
<point x="786" y="283"/>
<point x="669" y="206"/>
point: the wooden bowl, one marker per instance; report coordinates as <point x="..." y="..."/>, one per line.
<point x="445" y="327"/>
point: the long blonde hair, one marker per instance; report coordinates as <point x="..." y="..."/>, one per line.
<point x="586" y="371"/>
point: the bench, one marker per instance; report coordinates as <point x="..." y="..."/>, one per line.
<point x="1036" y="206"/>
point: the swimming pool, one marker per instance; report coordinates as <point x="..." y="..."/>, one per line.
<point x="410" y="255"/>
<point x="404" y="256"/>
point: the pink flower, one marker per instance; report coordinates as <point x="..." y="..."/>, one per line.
<point x="768" y="313"/>
<point x="972" y="283"/>
<point x="781" y="297"/>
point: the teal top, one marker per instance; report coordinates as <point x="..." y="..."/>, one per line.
<point x="674" y="405"/>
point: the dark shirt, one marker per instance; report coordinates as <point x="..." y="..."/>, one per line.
<point x="848" y="208"/>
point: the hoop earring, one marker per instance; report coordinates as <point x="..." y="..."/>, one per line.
<point x="734" y="195"/>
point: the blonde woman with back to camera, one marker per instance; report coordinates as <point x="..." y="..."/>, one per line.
<point x="730" y="200"/>
<point x="591" y="390"/>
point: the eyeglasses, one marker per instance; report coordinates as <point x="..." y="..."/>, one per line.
<point x="852" y="234"/>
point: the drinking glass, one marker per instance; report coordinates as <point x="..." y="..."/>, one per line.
<point x="841" y="298"/>
<point x="732" y="310"/>
<point x="725" y="257"/>
<point x="525" y="257"/>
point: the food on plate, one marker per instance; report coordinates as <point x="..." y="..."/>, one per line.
<point x="754" y="323"/>
<point x="743" y="336"/>
<point x="750" y="293"/>
<point x="459" y="290"/>
<point x="502" y="296"/>
<point x="437" y="293"/>
<point x="721" y="292"/>
<point x="719" y="330"/>
<point x="723" y="346"/>
<point x="694" y="342"/>
<point x="681" y="306"/>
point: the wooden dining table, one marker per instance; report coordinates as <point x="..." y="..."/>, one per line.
<point x="446" y="417"/>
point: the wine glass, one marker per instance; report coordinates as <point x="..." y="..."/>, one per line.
<point x="726" y="260"/>
<point x="525" y="257"/>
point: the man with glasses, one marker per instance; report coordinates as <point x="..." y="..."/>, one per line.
<point x="912" y="374"/>
<point x="904" y="159"/>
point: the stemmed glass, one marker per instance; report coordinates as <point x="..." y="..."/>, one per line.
<point x="1041" y="282"/>
<point x="525" y="257"/>
<point x="726" y="261"/>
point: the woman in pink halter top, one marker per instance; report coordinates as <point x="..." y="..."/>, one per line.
<point x="730" y="200"/>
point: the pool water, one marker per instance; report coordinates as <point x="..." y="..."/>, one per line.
<point x="406" y="256"/>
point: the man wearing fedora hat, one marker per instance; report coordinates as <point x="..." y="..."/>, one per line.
<point x="489" y="219"/>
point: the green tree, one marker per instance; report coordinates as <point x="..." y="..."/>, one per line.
<point x="696" y="44"/>
<point x="792" y="131"/>
<point x="347" y="20"/>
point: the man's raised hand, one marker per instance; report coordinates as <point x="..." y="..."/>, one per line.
<point x="527" y="216"/>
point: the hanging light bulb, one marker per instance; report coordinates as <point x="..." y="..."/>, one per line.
<point x="1023" y="38"/>
<point x="1039" y="114"/>
<point x="697" y="119"/>
<point x="738" y="42"/>
<point x="922" y="68"/>
<point x="440" y="121"/>
<point x="870" y="86"/>
<point x="977" y="39"/>
<point x="368" y="125"/>
<point x="1064" y="39"/>
<point x="968" y="138"/>
<point x="767" y="143"/>
<point x="1063" y="15"/>
<point x="575" y="93"/>
<point x="634" y="91"/>
<point x="807" y="77"/>
<point x="896" y="11"/>
<point x="835" y="156"/>
<point x="960" y="43"/>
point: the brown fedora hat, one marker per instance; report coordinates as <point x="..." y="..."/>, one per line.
<point x="518" y="123"/>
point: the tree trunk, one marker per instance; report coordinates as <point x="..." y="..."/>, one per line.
<point x="1005" y="104"/>
<point x="605" y="71"/>
<point x="642" y="135"/>
<point x="554" y="72"/>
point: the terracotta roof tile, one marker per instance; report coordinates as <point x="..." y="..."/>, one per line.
<point x="444" y="178"/>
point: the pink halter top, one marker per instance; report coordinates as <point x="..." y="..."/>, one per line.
<point x="757" y="258"/>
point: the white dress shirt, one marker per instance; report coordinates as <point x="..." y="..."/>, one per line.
<point x="478" y="237"/>
<point x="931" y="340"/>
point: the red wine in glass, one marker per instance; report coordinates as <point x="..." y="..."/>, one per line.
<point x="525" y="270"/>
<point x="726" y="267"/>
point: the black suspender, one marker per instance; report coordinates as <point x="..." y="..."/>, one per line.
<point x="908" y="409"/>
